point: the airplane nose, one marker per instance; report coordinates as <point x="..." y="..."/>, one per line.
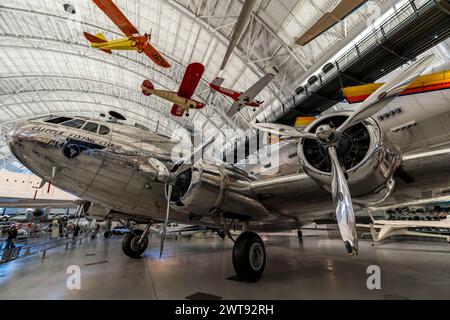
<point x="15" y="137"/>
<point x="12" y="135"/>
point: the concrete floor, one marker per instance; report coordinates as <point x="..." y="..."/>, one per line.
<point x="317" y="268"/>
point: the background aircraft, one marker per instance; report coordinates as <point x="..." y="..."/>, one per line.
<point x="390" y="228"/>
<point x="413" y="104"/>
<point x="239" y="28"/>
<point x="426" y="83"/>
<point x="20" y="190"/>
<point x="133" y="41"/>
<point x="242" y="98"/>
<point x="181" y="99"/>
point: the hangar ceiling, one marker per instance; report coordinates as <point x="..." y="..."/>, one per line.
<point x="47" y="66"/>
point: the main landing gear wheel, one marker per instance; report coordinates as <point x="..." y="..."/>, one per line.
<point x="131" y="246"/>
<point x="249" y="256"/>
<point x="140" y="50"/>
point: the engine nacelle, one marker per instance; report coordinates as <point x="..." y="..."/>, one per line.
<point x="369" y="158"/>
<point x="40" y="214"/>
<point x="204" y="188"/>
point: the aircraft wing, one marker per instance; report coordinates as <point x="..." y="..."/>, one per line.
<point x="255" y="89"/>
<point x="190" y="81"/>
<point x="250" y="94"/>
<point x="285" y="194"/>
<point x="177" y="110"/>
<point x="421" y="165"/>
<point x="156" y="57"/>
<point x="329" y="19"/>
<point x="114" y="13"/>
<point x="233" y="109"/>
<point x="239" y="28"/>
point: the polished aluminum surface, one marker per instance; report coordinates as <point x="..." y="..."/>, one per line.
<point x="121" y="174"/>
<point x="372" y="173"/>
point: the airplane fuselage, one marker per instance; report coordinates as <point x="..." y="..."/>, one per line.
<point x="173" y="97"/>
<point x="235" y="95"/>
<point x="114" y="171"/>
<point x="129" y="43"/>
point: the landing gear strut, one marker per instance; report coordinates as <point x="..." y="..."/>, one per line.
<point x="107" y="232"/>
<point x="249" y="256"/>
<point x="136" y="242"/>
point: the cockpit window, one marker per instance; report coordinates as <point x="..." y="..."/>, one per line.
<point x="75" y="123"/>
<point x="91" y="127"/>
<point x="103" y="130"/>
<point x="58" y="120"/>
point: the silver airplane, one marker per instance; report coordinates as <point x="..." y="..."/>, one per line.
<point x="127" y="173"/>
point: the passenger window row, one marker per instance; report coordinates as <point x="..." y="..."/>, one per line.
<point x="80" y="124"/>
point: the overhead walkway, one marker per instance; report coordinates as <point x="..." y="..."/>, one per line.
<point x="416" y="27"/>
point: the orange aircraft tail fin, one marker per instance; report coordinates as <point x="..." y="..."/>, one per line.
<point x="98" y="38"/>
<point x="107" y="51"/>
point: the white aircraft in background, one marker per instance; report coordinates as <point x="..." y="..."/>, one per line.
<point x="381" y="229"/>
<point x="431" y="90"/>
<point x="21" y="190"/>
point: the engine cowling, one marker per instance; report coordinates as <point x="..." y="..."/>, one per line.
<point x="36" y="214"/>
<point x="369" y="159"/>
<point x="203" y="188"/>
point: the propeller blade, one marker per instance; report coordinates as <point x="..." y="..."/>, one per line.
<point x="386" y="93"/>
<point x="179" y="165"/>
<point x="166" y="221"/>
<point x="283" y="130"/>
<point x="342" y="202"/>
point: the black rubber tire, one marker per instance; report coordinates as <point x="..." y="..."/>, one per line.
<point x="241" y="256"/>
<point x="127" y="243"/>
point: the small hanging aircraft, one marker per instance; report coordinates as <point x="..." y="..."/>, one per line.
<point x="133" y="40"/>
<point x="241" y="99"/>
<point x="181" y="99"/>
